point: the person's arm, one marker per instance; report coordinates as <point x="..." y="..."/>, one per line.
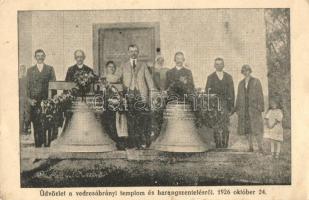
<point x="274" y="124"/>
<point x="28" y="84"/>
<point x="279" y="117"/>
<point x="119" y="73"/>
<point x="260" y="96"/>
<point x="190" y="82"/>
<point x="52" y="74"/>
<point x="231" y="95"/>
<point x="149" y="79"/>
<point x="237" y="106"/>
<point x="32" y="102"/>
<point x="68" y="77"/>
<point x="207" y="85"/>
<point x="52" y="78"/>
<point x="167" y="81"/>
<point x="267" y="122"/>
<point x="270" y="126"/>
<point x="91" y="71"/>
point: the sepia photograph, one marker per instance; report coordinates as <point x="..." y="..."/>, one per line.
<point x="154" y="97"/>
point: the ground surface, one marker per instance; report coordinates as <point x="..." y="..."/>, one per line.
<point x="119" y="172"/>
<point x="151" y="168"/>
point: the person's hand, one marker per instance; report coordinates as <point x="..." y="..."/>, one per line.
<point x="113" y="101"/>
<point x="183" y="79"/>
<point x="164" y="93"/>
<point x="231" y="112"/>
<point x="32" y="102"/>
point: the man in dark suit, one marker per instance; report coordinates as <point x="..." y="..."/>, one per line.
<point x="38" y="77"/>
<point x="221" y="84"/>
<point x="179" y="80"/>
<point x="79" y="56"/>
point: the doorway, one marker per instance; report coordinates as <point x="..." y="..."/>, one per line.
<point x="111" y="42"/>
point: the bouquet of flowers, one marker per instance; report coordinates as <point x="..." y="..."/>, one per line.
<point x="211" y="111"/>
<point x="51" y="112"/>
<point x="48" y="111"/>
<point x="115" y="101"/>
<point x="177" y="88"/>
<point x="83" y="80"/>
<point x="62" y="103"/>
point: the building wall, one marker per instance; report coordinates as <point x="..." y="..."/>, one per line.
<point x="237" y="35"/>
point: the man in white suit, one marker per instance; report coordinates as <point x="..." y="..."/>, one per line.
<point x="137" y="82"/>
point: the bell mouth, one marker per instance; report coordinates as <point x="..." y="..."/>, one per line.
<point x="83" y="132"/>
<point x="179" y="132"/>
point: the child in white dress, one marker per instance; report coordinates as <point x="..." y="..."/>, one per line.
<point x="274" y="130"/>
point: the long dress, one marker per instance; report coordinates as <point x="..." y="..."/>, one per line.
<point x="249" y="107"/>
<point x="247" y="114"/>
<point x="118" y="119"/>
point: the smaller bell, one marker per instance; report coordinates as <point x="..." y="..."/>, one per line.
<point x="84" y="133"/>
<point x="179" y="133"/>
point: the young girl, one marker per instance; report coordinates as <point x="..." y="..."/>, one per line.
<point x="274" y="130"/>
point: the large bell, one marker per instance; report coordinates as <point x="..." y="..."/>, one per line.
<point x="84" y="133"/>
<point x="179" y="133"/>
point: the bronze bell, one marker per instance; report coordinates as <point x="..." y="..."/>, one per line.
<point x="84" y="133"/>
<point x="179" y="133"/>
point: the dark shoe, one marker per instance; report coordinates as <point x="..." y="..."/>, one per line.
<point x="261" y="151"/>
<point x="141" y="147"/>
<point x="120" y="147"/>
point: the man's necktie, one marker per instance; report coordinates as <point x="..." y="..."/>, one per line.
<point x="134" y="64"/>
<point x="134" y="75"/>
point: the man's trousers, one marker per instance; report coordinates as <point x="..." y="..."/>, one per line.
<point x="139" y="120"/>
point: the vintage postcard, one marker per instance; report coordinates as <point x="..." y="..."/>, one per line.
<point x="154" y="100"/>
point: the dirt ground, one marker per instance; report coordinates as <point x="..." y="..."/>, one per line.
<point x="253" y="169"/>
<point x="82" y="173"/>
<point x="176" y="169"/>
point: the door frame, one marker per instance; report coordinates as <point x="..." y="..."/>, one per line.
<point x="102" y="26"/>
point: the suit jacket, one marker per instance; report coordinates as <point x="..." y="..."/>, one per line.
<point x="73" y="69"/>
<point x="143" y="79"/>
<point x="37" y="82"/>
<point x="174" y="84"/>
<point x="223" y="88"/>
<point x="255" y="107"/>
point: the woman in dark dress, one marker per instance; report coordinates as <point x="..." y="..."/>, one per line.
<point x="249" y="108"/>
<point x="109" y="115"/>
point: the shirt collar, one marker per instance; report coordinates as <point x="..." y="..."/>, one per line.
<point x="80" y="66"/>
<point x="179" y="67"/>
<point x="247" y="78"/>
<point x="247" y="81"/>
<point x="131" y="61"/>
<point x="40" y="66"/>
<point x="220" y="74"/>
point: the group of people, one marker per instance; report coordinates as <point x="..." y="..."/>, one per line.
<point x="139" y="80"/>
